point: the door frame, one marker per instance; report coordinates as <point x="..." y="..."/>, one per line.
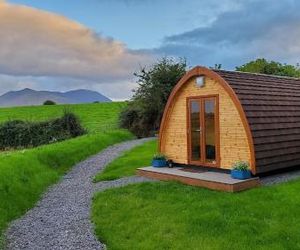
<point x="202" y="137"/>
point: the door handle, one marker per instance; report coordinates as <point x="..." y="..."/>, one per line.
<point x="198" y="130"/>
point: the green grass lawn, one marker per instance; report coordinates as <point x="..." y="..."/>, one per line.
<point x="169" y="215"/>
<point x="96" y="117"/>
<point x="126" y="164"/>
<point x="26" y="174"/>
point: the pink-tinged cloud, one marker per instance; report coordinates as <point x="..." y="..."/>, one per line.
<point x="38" y="43"/>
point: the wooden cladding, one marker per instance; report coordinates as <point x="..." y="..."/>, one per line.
<point x="272" y="107"/>
<point x="232" y="139"/>
<point x="259" y="118"/>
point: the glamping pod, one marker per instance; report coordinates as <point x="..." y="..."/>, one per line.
<point x="214" y="118"/>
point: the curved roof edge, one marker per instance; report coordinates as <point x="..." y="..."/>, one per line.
<point x="215" y="76"/>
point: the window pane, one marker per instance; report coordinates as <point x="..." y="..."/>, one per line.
<point x="210" y="145"/>
<point x="195" y="130"/>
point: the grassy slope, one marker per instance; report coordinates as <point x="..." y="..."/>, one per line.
<point x="173" y="216"/>
<point x="95" y="117"/>
<point x="127" y="163"/>
<point x="24" y="175"/>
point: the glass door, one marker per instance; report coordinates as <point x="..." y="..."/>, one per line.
<point x="203" y="131"/>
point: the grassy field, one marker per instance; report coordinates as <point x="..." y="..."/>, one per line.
<point x="169" y="215"/>
<point x="25" y="174"/>
<point x="96" y="117"/>
<point x="126" y="164"/>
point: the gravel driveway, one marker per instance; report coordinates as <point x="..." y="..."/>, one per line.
<point x="61" y="219"/>
<point x="280" y="178"/>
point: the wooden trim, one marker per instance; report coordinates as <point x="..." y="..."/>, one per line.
<point x="213" y="75"/>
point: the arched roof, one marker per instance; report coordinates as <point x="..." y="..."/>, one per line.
<point x="269" y="107"/>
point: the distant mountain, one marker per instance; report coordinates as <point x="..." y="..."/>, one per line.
<point x="27" y="97"/>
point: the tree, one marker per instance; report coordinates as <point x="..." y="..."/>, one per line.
<point x="217" y="66"/>
<point x="49" y="102"/>
<point x="143" y="114"/>
<point x="263" y="66"/>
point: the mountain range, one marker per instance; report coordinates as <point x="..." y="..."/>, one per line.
<point x="28" y="97"/>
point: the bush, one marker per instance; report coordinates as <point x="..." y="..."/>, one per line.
<point x="137" y="120"/>
<point x="20" y="134"/>
<point x="49" y="102"/>
<point x="143" y="114"/>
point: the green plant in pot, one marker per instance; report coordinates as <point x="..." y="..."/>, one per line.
<point x="159" y="160"/>
<point x="241" y="170"/>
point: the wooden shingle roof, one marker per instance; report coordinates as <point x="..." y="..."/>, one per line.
<point x="272" y="107"/>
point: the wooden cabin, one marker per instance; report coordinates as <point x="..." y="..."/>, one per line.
<point x="214" y="118"/>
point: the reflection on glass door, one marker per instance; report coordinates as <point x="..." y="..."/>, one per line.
<point x="195" y="108"/>
<point x="203" y="130"/>
<point x="210" y="138"/>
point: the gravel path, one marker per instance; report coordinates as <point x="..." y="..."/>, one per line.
<point x="61" y="219"/>
<point x="280" y="178"/>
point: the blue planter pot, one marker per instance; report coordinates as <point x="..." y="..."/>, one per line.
<point x="241" y="175"/>
<point x="159" y="163"/>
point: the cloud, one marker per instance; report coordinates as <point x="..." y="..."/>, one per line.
<point x="38" y="43"/>
<point x="46" y="51"/>
<point x="258" y="28"/>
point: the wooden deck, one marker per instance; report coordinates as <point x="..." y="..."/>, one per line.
<point x="207" y="179"/>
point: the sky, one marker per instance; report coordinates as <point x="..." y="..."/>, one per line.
<point x="99" y="44"/>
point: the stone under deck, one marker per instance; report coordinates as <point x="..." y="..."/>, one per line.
<point x="201" y="178"/>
